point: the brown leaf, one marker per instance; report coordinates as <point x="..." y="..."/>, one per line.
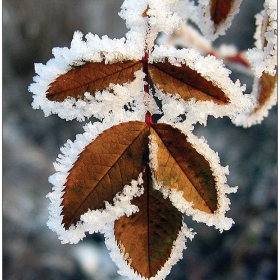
<point x="111" y="161"/>
<point x="91" y="77"/>
<point x="267" y="84"/>
<point x="185" y="82"/>
<point x="121" y="153"/>
<point x="220" y="9"/>
<point x="181" y="167"/>
<point x="146" y="237"/>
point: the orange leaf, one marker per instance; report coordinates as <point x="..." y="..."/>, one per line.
<point x="220" y="9"/>
<point x="146" y="237"/>
<point x="91" y="77"/>
<point x="185" y="82"/>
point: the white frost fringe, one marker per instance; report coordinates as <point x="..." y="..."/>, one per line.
<point x="218" y="219"/>
<point x="92" y="50"/>
<point x="92" y="221"/>
<point x="256" y="115"/>
<point x="263" y="59"/>
<point x="212" y="70"/>
<point x="202" y="18"/>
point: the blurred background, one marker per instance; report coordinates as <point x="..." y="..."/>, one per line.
<point x="31" y="144"/>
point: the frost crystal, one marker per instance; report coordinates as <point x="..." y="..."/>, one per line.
<point x="264" y="57"/>
<point x="212" y="70"/>
<point x="202" y="18"/>
<point x="263" y="60"/>
<point x="218" y="219"/>
<point x="138" y="97"/>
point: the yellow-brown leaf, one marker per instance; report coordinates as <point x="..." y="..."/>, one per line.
<point x="91" y="77"/>
<point x="185" y="82"/>
<point x="111" y="161"/>
<point x="121" y="153"/>
<point x="146" y="237"/>
<point x="181" y="167"/>
<point x="267" y="84"/>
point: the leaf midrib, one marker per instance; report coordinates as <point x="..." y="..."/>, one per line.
<point x="105" y="173"/>
<point x="192" y="182"/>
<point x="92" y="81"/>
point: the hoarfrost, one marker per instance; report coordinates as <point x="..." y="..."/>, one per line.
<point x="202" y="18"/>
<point x="162" y="18"/>
<point x="129" y="102"/>
<point x="256" y="114"/>
<point x="217" y="219"/>
<point x="93" y="49"/>
<point x="263" y="58"/>
<point x="132" y="12"/>
<point x="212" y="70"/>
<point x="93" y="220"/>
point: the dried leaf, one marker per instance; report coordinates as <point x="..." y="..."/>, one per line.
<point x="263" y="58"/>
<point x="182" y="168"/>
<point x="90" y="77"/>
<point x="267" y="87"/>
<point x="220" y="9"/>
<point x="267" y="96"/>
<point x="111" y="161"/>
<point x="185" y="82"/>
<point x="146" y="237"/>
<point x="120" y="154"/>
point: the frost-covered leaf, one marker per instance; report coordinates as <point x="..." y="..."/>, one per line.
<point x="94" y="175"/>
<point x="105" y="166"/>
<point x="120" y="154"/>
<point x="263" y="61"/>
<point x="263" y="58"/>
<point x="181" y="167"/>
<point x="144" y="176"/>
<point x="186" y="82"/>
<point x="213" y="17"/>
<point x="134" y="180"/>
<point x="265" y="92"/>
<point x="91" y="77"/>
<point x="196" y="86"/>
<point x="121" y="258"/>
<point x="267" y="88"/>
<point x="76" y="74"/>
<point x="146" y="238"/>
<point x="220" y="10"/>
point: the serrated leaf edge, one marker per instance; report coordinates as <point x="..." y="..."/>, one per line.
<point x="202" y="17"/>
<point x="94" y="49"/>
<point x="123" y="264"/>
<point x="65" y="161"/>
<point x="218" y="218"/>
<point x="256" y="115"/>
<point x="215" y="72"/>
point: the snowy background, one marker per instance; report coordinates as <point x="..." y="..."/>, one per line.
<point x="31" y="143"/>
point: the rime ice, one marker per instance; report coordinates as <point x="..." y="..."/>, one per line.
<point x="119" y="103"/>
